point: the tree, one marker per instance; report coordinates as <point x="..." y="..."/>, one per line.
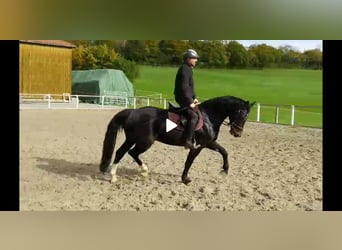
<point x="93" y="57"/>
<point x="238" y="55"/>
<point x="313" y="59"/>
<point x="290" y="57"/>
<point x="152" y="51"/>
<point x="253" y="60"/>
<point x="97" y="55"/>
<point x="171" y="51"/>
<point x="213" y="54"/>
<point x="267" y="55"/>
<point x="77" y="57"/>
<point x="134" y="50"/>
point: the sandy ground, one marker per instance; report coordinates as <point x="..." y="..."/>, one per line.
<point x="272" y="167"/>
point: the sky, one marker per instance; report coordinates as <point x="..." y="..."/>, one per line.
<point x="300" y="45"/>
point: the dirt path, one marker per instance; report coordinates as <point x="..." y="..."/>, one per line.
<point x="272" y="167"/>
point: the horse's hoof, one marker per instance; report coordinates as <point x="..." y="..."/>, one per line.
<point x="144" y="173"/>
<point x="224" y="171"/>
<point x="105" y="176"/>
<point x="113" y="179"/>
<point x="186" y="181"/>
<point x="144" y="168"/>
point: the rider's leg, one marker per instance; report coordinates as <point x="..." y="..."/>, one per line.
<point x="190" y="128"/>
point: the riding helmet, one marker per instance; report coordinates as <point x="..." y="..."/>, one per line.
<point x="190" y="53"/>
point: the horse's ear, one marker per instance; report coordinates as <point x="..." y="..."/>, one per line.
<point x="251" y="104"/>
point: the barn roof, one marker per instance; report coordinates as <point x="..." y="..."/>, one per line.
<point x="56" y="43"/>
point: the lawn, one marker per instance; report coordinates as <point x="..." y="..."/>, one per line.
<point x="275" y="87"/>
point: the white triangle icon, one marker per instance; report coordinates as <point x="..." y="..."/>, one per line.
<point x="170" y="125"/>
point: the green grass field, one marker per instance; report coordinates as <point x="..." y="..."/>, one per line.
<point x="270" y="86"/>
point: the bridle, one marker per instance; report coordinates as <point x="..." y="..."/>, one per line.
<point x="226" y="123"/>
<point x="233" y="124"/>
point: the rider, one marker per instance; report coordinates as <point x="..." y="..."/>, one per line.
<point x="185" y="95"/>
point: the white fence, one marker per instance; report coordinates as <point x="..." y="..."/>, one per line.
<point x="65" y="101"/>
<point x="293" y="109"/>
<point x="283" y="114"/>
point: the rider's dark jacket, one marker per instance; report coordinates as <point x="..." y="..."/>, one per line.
<point x="184" y="86"/>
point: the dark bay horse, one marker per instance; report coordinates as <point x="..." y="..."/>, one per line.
<point x="145" y="125"/>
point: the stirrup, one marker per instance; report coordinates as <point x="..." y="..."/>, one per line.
<point x="195" y="145"/>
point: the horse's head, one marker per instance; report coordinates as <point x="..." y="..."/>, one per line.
<point x="239" y="117"/>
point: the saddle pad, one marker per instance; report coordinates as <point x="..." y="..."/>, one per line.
<point x="176" y="118"/>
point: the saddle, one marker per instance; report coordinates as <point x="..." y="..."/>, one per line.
<point x="175" y="114"/>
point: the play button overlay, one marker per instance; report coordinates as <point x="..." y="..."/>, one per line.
<point x="170" y="125"/>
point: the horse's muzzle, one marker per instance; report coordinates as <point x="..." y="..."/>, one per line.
<point x="235" y="133"/>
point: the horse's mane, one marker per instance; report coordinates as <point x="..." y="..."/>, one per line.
<point x="223" y="101"/>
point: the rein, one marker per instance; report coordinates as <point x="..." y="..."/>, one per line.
<point x="226" y="123"/>
<point x="233" y="124"/>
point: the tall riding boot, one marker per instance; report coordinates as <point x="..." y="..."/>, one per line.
<point x="189" y="133"/>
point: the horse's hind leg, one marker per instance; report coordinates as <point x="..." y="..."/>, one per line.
<point x="118" y="156"/>
<point x="140" y="148"/>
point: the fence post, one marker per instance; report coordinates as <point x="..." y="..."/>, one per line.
<point x="148" y="101"/>
<point x="102" y="101"/>
<point x="126" y="102"/>
<point x="277" y="115"/>
<point x="49" y="101"/>
<point x="258" y="112"/>
<point x="292" y="115"/>
<point x="77" y="101"/>
<point x="164" y="103"/>
<point x="134" y="102"/>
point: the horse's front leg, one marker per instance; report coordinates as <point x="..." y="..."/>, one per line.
<point x="217" y="147"/>
<point x="189" y="160"/>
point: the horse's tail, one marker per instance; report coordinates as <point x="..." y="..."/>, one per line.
<point x="117" y="123"/>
